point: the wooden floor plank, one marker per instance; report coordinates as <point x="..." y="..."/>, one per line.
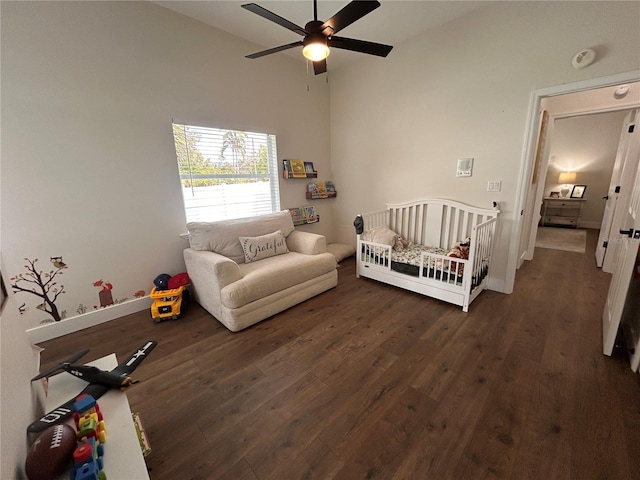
<point x="370" y="381"/>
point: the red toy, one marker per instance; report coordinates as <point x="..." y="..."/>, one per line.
<point x="50" y="454"/>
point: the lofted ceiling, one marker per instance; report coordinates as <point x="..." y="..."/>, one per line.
<point x="392" y="23"/>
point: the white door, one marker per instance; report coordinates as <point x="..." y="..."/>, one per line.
<point x="614" y="189"/>
<point x="634" y="330"/>
<point x="627" y="248"/>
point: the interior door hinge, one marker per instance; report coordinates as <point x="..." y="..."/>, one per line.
<point x="605" y="244"/>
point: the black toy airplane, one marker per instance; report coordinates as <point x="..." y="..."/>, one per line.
<point x="100" y="381"/>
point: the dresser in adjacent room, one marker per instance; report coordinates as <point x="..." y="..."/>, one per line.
<point x="561" y="212"/>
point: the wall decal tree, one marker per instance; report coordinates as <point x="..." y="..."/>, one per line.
<point x="42" y="285"/>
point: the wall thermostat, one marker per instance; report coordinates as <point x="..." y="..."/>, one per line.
<point x="465" y="167"/>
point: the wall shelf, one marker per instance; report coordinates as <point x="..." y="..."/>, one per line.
<point x="287" y="175"/>
<point x="298" y="169"/>
<point x="319" y="196"/>
<point x="321" y="190"/>
<point x="304" y="215"/>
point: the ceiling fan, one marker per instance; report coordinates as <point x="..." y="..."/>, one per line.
<point x="319" y="36"/>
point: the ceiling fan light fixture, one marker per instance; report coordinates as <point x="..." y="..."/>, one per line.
<point x="315" y="48"/>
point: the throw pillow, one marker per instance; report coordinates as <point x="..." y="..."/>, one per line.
<point x="264" y="246"/>
<point x="383" y="235"/>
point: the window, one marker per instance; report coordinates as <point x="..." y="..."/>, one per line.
<point x="226" y="173"/>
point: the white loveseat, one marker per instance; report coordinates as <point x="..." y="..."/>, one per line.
<point x="241" y="289"/>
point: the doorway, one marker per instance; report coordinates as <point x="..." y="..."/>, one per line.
<point x="583" y="147"/>
<point x="530" y="186"/>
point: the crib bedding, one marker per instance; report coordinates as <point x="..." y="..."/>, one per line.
<point x="408" y="262"/>
<point x="411" y="257"/>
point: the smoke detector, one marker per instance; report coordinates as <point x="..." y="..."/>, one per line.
<point x="583" y="58"/>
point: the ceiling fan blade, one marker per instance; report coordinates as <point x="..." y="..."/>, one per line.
<point x="320" y="66"/>
<point x="349" y="14"/>
<point x="275" y="49"/>
<point x="283" y="22"/>
<point x="361" y="46"/>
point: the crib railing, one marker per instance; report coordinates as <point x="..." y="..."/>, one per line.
<point x="375" y="219"/>
<point x="480" y="255"/>
<point x="375" y="254"/>
<point x="445" y="269"/>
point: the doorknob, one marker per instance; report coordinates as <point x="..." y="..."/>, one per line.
<point x="629" y="233"/>
<point x="606" y="197"/>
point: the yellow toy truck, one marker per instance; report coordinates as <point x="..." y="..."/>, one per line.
<point x="168" y="304"/>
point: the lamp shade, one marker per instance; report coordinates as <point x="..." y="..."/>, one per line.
<point x="315" y="47"/>
<point x="567" y="177"/>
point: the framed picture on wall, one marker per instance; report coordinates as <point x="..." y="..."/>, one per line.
<point x="578" y="191"/>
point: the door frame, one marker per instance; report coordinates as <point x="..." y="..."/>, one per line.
<point x="526" y="213"/>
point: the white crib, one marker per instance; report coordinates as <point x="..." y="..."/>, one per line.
<point x="437" y="223"/>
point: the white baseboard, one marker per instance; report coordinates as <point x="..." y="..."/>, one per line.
<point x="49" y="331"/>
<point x="595" y="225"/>
<point x="497" y="285"/>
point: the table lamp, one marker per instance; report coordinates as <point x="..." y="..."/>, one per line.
<point x="566" y="178"/>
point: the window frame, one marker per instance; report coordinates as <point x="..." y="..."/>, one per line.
<point x="260" y="204"/>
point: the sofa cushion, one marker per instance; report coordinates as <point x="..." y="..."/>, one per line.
<point x="223" y="237"/>
<point x="264" y="246"/>
<point x="271" y="275"/>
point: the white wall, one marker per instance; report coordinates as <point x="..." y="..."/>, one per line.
<point x="463" y="90"/>
<point x="89" y="90"/>
<point x="19" y="404"/>
<point x="586" y="145"/>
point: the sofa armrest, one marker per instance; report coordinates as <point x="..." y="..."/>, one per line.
<point x="209" y="273"/>
<point x="218" y="270"/>
<point x="306" y="242"/>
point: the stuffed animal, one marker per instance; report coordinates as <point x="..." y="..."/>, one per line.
<point x="400" y="244"/>
<point x="459" y="250"/>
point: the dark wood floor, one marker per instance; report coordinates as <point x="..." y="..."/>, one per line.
<point x="369" y="381"/>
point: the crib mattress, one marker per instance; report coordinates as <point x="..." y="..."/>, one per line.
<point x="408" y="261"/>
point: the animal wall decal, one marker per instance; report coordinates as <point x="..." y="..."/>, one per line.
<point x="41" y="284"/>
<point x="45" y="286"/>
<point x="105" y="296"/>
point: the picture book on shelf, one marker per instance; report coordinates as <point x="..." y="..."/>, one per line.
<point x="297" y="167"/>
<point x="310" y="213"/>
<point x="317" y="189"/>
<point x="298" y="216"/>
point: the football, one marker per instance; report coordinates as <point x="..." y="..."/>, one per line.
<point x="51" y="453"/>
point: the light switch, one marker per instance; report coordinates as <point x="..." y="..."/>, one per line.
<point x="494" y="186"/>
